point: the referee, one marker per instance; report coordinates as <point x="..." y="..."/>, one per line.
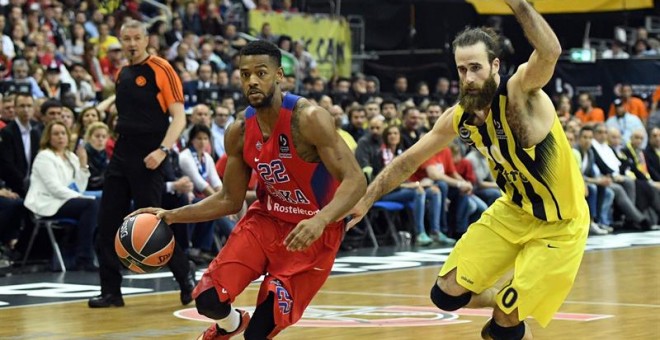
<point x="148" y="93"/>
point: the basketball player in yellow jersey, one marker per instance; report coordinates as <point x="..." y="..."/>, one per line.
<point x="538" y="228"/>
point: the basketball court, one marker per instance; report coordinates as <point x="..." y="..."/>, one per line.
<point x="371" y="294"/>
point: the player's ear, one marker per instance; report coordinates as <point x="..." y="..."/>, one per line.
<point x="496" y="65"/>
<point x="280" y="75"/>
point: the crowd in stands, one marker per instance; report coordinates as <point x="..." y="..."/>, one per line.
<point x="59" y="62"/>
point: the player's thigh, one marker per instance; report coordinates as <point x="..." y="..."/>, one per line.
<point x="485" y="252"/>
<point x="241" y="260"/>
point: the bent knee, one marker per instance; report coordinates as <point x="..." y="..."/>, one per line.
<point x="208" y="304"/>
<point x="449" y="302"/>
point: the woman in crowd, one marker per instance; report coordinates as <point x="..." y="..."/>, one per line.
<point x="56" y="184"/>
<point x="96" y="137"/>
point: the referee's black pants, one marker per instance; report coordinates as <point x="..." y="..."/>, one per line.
<point x="127" y="179"/>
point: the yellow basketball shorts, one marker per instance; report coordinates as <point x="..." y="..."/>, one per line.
<point x="545" y="257"/>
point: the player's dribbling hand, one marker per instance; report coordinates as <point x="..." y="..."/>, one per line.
<point x="304" y="234"/>
<point x="357" y="214"/>
<point x="153" y="160"/>
<point x="159" y="212"/>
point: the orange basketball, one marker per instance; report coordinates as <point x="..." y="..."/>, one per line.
<point x="144" y="243"/>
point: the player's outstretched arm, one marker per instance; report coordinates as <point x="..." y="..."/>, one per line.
<point x="225" y="202"/>
<point x="404" y="165"/>
<point x="538" y="71"/>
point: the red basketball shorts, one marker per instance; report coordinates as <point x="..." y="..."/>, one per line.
<point x="255" y="248"/>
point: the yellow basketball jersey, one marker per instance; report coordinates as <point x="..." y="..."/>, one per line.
<point x="544" y="180"/>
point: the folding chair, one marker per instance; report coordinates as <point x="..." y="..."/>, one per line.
<point x="49" y="224"/>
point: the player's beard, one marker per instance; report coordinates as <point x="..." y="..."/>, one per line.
<point x="481" y="100"/>
<point x="267" y="101"/>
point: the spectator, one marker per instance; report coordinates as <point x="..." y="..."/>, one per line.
<point x="87" y="117"/>
<point x="84" y="94"/>
<point x="20" y="69"/>
<point x="368" y="151"/>
<point x="177" y="192"/>
<point x="53" y="87"/>
<point x="221" y="121"/>
<point x="600" y="192"/>
<point x="389" y="111"/>
<point x="75" y="46"/>
<point x="616" y="51"/>
<point x="198" y="165"/>
<point x="564" y="108"/>
<point x="307" y="66"/>
<point x="356" y="122"/>
<point x="433" y="112"/>
<point x="401" y="88"/>
<point x="212" y="23"/>
<point x="338" y="116"/>
<point x="58" y="179"/>
<point x="624" y="121"/>
<point x="8" y="113"/>
<point x="587" y="113"/>
<point x="652" y="154"/>
<point x="410" y="127"/>
<point x="176" y="33"/>
<point x="631" y="104"/>
<point x="96" y="137"/>
<point x="104" y="41"/>
<point x="112" y="62"/>
<point x="475" y="205"/>
<point x="421" y="97"/>
<point x="207" y="56"/>
<point x="19" y="145"/>
<point x="50" y="110"/>
<point x="191" y="19"/>
<point x="434" y="175"/>
<point x="7" y="47"/>
<point x="443" y="92"/>
<point x="485" y="186"/>
<point x="92" y="26"/>
<point x="267" y="33"/>
<point x="409" y="192"/>
<point x="201" y="114"/>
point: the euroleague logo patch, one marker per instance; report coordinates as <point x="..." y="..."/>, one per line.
<point x="140" y="81"/>
<point x="386" y="316"/>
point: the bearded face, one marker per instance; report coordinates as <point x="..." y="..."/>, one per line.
<point x="474" y="97"/>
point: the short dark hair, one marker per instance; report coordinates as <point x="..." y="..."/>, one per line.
<point x="473" y="35"/>
<point x="50" y="103"/>
<point x="387" y="102"/>
<point x="21" y="94"/>
<point x="197" y="129"/>
<point x="262" y="47"/>
<point x="586" y="128"/>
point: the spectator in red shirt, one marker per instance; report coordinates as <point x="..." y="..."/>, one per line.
<point x="111" y="63"/>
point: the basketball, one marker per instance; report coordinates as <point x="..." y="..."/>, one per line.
<point x="144" y="243"/>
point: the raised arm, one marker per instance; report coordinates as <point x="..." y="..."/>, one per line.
<point x="404" y="165"/>
<point x="534" y="74"/>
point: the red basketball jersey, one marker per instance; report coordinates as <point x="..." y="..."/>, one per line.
<point x="289" y="188"/>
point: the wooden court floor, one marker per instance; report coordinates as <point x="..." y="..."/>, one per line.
<point x="618" y="290"/>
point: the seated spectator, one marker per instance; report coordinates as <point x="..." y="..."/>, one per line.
<point x="617" y="51"/>
<point x="112" y="62"/>
<point x="11" y="215"/>
<point x="19" y="144"/>
<point x="20" y="75"/>
<point x="104" y="40"/>
<point x="177" y="192"/>
<point x="631" y="104"/>
<point x="564" y="108"/>
<point x="198" y="165"/>
<point x="389" y="110"/>
<point x="58" y="179"/>
<point x="652" y="154"/>
<point x="338" y="115"/>
<point x="600" y="192"/>
<point x="96" y="138"/>
<point x="356" y="122"/>
<point x="625" y="122"/>
<point x="409" y="192"/>
<point x="438" y="173"/>
<point x="588" y="113"/>
<point x="624" y="188"/>
<point x="485" y="187"/>
<point x="475" y="205"/>
<point x="401" y="88"/>
<point x="411" y="127"/>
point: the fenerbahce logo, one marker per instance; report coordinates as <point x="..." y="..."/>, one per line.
<point x="385" y="316"/>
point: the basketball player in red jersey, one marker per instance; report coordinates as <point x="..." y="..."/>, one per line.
<point x="308" y="178"/>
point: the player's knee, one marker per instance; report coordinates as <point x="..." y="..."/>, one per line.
<point x="448" y="302"/>
<point x="208" y="304"/>
<point x="498" y="332"/>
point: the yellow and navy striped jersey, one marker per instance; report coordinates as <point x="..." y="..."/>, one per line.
<point x="544" y="180"/>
